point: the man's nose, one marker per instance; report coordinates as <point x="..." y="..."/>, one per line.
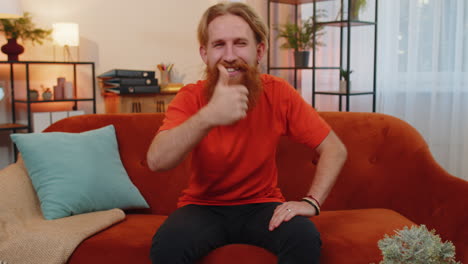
<point x="229" y="55"/>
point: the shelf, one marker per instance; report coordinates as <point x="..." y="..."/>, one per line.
<point x="28" y="110"/>
<point x="11" y="126"/>
<point x="344" y="23"/>
<point x="304" y="68"/>
<point x="343" y="50"/>
<point x="297" y="2"/>
<point x="344" y="94"/>
<point x="52" y="101"/>
<point x="46" y="62"/>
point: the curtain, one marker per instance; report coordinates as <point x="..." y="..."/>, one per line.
<point x="423" y="73"/>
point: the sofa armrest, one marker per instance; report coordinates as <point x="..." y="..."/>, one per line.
<point x="434" y="198"/>
<point x="409" y="181"/>
<point x="390" y="166"/>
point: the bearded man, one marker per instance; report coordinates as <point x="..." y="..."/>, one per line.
<point x="232" y="123"/>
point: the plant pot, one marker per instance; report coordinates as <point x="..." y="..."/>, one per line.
<point x="33" y="95"/>
<point x="343" y="84"/>
<point x="301" y="58"/>
<point x="12" y="49"/>
<point x="47" y="95"/>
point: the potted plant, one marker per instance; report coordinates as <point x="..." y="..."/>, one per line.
<point x="345" y="80"/>
<point x="22" y="28"/>
<point x="301" y="37"/>
<point x="417" y="245"/>
<point x="356" y="6"/>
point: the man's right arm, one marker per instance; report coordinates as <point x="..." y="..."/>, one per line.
<point x="227" y="105"/>
<point x="170" y="147"/>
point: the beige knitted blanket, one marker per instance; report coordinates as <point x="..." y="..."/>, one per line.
<point x="26" y="237"/>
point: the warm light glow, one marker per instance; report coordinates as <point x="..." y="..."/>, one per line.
<point x="66" y="34"/>
<point x="10" y="9"/>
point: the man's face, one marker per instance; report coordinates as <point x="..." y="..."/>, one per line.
<point x="231" y="42"/>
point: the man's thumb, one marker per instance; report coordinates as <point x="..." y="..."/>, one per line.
<point x="223" y="78"/>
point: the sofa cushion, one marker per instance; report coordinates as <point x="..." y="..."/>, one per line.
<point x="127" y="242"/>
<point x="355" y="232"/>
<point x="76" y="173"/>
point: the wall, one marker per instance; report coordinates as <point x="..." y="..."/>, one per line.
<point x="135" y="34"/>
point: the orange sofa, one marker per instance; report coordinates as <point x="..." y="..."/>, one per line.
<point x="389" y="181"/>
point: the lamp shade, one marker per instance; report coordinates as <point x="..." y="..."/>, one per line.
<point x="1" y="93"/>
<point x="66" y="34"/>
<point x="10" y="9"/>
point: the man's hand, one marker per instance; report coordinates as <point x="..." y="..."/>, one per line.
<point x="288" y="210"/>
<point x="229" y="103"/>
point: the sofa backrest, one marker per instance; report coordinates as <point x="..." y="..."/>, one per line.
<point x="375" y="143"/>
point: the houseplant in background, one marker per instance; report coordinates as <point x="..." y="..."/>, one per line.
<point x="345" y="80"/>
<point x="356" y="6"/>
<point x="417" y="245"/>
<point x="301" y="37"/>
<point x="22" y="28"/>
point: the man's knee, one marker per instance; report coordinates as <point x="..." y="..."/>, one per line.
<point x="182" y="241"/>
<point x="301" y="243"/>
<point x="170" y="251"/>
<point x="183" y="249"/>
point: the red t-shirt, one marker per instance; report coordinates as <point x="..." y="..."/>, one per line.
<point x="235" y="164"/>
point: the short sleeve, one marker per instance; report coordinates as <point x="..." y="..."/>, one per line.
<point x="185" y="104"/>
<point x="303" y="123"/>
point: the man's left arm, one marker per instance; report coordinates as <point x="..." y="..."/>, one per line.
<point x="333" y="155"/>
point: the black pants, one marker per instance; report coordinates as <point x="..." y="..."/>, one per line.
<point x="192" y="231"/>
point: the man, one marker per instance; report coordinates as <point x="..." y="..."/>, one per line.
<point x="232" y="123"/>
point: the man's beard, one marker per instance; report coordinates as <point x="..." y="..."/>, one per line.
<point x="250" y="78"/>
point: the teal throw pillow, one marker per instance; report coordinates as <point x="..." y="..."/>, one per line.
<point x="76" y="173"/>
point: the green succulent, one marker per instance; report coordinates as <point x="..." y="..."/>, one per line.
<point x="23" y="28"/>
<point x="417" y="245"/>
<point x="345" y="74"/>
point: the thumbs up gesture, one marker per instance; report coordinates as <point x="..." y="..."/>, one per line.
<point x="229" y="103"/>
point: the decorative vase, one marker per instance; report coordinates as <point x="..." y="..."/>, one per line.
<point x="47" y="94"/>
<point x="12" y="49"/>
<point x="33" y="94"/>
<point x="301" y="58"/>
<point x="343" y="86"/>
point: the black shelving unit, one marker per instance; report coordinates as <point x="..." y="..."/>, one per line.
<point x="14" y="125"/>
<point x="345" y="25"/>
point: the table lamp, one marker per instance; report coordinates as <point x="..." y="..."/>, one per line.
<point x="67" y="35"/>
<point x="11" y="9"/>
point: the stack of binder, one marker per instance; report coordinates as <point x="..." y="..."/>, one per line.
<point x="129" y="81"/>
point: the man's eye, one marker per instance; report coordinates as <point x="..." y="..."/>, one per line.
<point x="218" y="44"/>
<point x="241" y="43"/>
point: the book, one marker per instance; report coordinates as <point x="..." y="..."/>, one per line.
<point x="131" y="81"/>
<point x="134" y="89"/>
<point x="128" y="74"/>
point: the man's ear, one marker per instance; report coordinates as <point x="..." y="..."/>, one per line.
<point x="203" y="54"/>
<point x="260" y="51"/>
